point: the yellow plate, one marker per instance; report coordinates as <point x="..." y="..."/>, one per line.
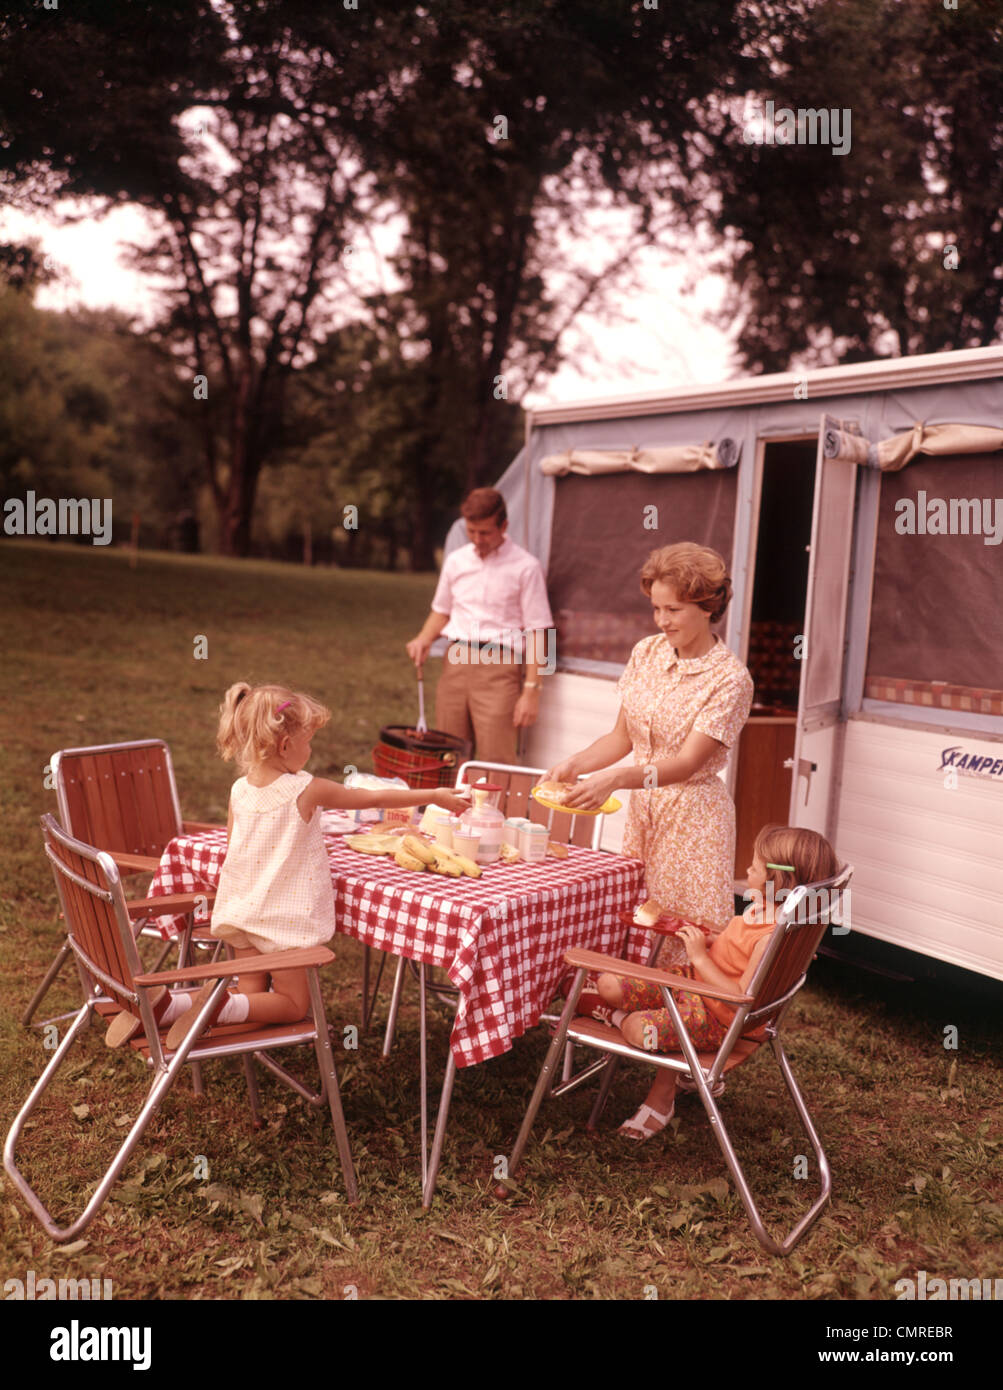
<point x="606" y="809"/>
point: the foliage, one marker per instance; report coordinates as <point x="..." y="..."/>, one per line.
<point x="89" y="409"/>
<point x="846" y="257"/>
<point x="272" y="135"/>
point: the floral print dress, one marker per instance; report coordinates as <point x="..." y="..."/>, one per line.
<point x="684" y="833"/>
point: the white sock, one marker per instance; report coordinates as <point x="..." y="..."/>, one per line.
<point x="618" y="1017"/>
<point x="235" y="1010"/>
<point x="180" y="1004"/>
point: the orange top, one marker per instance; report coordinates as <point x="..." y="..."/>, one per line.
<point x="731" y="952"/>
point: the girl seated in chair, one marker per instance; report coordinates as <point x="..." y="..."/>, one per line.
<point x="275" y="891"/>
<point x="783" y="857"/>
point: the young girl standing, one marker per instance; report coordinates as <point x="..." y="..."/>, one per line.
<point x="275" y="890"/>
<point x="783" y="857"/>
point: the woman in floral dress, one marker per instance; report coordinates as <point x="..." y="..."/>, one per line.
<point x="684" y="701"/>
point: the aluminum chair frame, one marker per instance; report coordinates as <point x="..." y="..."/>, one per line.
<point x="100" y="936"/>
<point x="431" y="1158"/>
<point x="792" y="942"/>
<point x="157" y="820"/>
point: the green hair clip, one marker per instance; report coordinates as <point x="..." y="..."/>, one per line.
<point x="789" y="867"/>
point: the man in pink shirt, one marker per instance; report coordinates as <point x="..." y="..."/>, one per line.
<point x="491" y="603"/>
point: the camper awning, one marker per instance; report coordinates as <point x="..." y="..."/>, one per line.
<point x="889" y="455"/>
<point x="687" y="458"/>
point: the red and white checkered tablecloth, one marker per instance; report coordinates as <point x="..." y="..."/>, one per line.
<point x="500" y="938"/>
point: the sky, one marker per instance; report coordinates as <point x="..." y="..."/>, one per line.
<point x="656" y="336"/>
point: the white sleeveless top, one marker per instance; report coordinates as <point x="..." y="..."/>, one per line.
<point x="275" y="886"/>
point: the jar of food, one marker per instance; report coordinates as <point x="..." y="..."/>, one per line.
<point x="533" y="842"/>
<point x="443" y="830"/>
<point x="485" y="822"/>
<point x="466" y="844"/>
<point x="510" y="831"/>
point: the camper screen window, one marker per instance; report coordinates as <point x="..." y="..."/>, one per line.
<point x="604" y="529"/>
<point x="935" y="610"/>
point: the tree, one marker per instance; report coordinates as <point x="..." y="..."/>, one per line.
<point x="515" y="119"/>
<point x="308" y="117"/>
<point x="87" y="409"/>
<point x="895" y="247"/>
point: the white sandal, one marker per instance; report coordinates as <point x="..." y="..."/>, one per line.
<point x="688" y="1086"/>
<point x="645" y="1124"/>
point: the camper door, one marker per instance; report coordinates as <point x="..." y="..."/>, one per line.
<point x="818" y="746"/>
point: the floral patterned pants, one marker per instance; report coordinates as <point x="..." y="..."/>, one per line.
<point x="706" y="1031"/>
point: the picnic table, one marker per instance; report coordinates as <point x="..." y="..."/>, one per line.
<point x="500" y="938"/>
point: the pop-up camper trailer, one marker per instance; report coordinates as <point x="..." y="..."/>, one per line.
<point x="861" y="511"/>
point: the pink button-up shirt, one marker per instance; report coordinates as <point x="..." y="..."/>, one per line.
<point x="492" y="600"/>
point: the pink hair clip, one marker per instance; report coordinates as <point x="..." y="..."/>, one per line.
<point x="284" y="705"/>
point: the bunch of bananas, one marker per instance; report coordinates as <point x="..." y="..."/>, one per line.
<point x="411" y="852"/>
<point x="415" y="854"/>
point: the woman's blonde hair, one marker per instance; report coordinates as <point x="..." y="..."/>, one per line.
<point x="698" y="575"/>
<point x="810" y="855"/>
<point x="253" y="720"/>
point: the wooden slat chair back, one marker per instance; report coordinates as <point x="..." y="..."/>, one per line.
<point x="101" y="940"/>
<point x="804" y="918"/>
<point x="759" y="1015"/>
<point x="100" y="935"/>
<point x="123" y="799"/>
<point x="518" y="782"/>
<point x="120" y="797"/>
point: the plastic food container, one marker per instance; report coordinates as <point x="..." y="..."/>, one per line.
<point x="511" y="830"/>
<point x="442" y="829"/>
<point x="533" y="842"/>
<point x="466" y="843"/>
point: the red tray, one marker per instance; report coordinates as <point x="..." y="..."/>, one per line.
<point x="667" y="925"/>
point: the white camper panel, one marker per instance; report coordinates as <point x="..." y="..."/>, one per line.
<point x="927" y="847"/>
<point x="870" y="766"/>
<point x="577" y="710"/>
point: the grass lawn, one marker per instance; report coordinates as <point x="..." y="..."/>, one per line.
<point x="97" y="652"/>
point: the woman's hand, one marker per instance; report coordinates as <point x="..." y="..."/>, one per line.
<point x="592" y="792"/>
<point x="442" y="796"/>
<point x="563" y="772"/>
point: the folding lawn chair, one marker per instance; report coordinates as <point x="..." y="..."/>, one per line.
<point x="123" y="799"/>
<point x="759" y="1015"/>
<point x="100" y="935"/>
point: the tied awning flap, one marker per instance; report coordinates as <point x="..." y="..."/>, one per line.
<point x="687" y="458"/>
<point x="891" y="455"/>
<point x="896" y="452"/>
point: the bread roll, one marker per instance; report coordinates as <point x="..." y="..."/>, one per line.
<point x="555" y="791"/>
<point x="647" y="914"/>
